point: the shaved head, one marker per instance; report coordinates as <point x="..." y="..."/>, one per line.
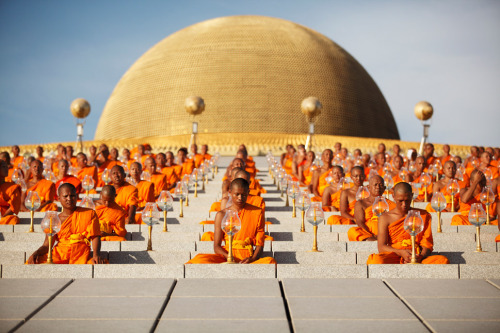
<point x="403" y="188"/>
<point x="68" y="186"/>
<point x="242" y="174"/>
<point x="240" y="183"/>
<point x="108" y="190"/>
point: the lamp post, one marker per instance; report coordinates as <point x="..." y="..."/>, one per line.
<point x="424" y="111"/>
<point x="194" y="105"/>
<point x="311" y="107"/>
<point x="80" y="109"/>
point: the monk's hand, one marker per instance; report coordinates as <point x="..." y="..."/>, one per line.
<point x="247" y="260"/>
<point x="477" y="177"/>
<point x="97" y="259"/>
<point x="33" y="259"/>
<point x="419" y="257"/>
<point x="406" y="255"/>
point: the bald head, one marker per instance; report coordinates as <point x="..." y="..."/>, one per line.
<point x="67" y="187"/>
<point x="108" y="190"/>
<point x="238" y="163"/>
<point x="402" y="188"/>
<point x="240" y="183"/>
<point x="234" y="171"/>
<point x="242" y="174"/>
<point x="5" y="157"/>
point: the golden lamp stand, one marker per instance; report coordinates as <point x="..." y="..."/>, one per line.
<point x="181" y="213"/>
<point x="488" y="214"/>
<point x="315" y="242"/>
<point x="302" y="226"/>
<point x="165" y="228"/>
<point x="413" y="255"/>
<point x="187" y="201"/>
<point x="49" y="253"/>
<point x="439" y="222"/>
<point x="425" y="193"/>
<point x="287" y="204"/>
<point x="230" y="259"/>
<point x="294" y="214"/>
<point x="32" y="213"/>
<point x="478" y="246"/>
<point x="150" y="246"/>
<point x="196" y="189"/>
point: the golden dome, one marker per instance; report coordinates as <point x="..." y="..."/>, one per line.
<point x="253" y="73"/>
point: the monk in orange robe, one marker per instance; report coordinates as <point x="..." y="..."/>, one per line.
<point x="157" y="178"/>
<point x="79" y="229"/>
<point x="417" y="178"/>
<point x="397" y="164"/>
<point x="64" y="177"/>
<point x="227" y="179"/>
<point x="299" y="159"/>
<point x="195" y="156"/>
<point x="111" y="216"/>
<point x="348" y="198"/>
<point x="39" y="153"/>
<point x="249" y="164"/>
<point x="331" y="195"/>
<point x="288" y="160"/>
<point x="4" y="156"/>
<point x="446" y="154"/>
<point x="168" y="171"/>
<point x="85" y="169"/>
<point x="69" y="156"/>
<point x="428" y="154"/>
<point x="380" y="162"/>
<point x="187" y="165"/>
<point x="45" y="188"/>
<point x="145" y="190"/>
<point x="305" y="170"/>
<point x="485" y="163"/>
<point x="449" y="171"/>
<point x="497" y="239"/>
<point x="394" y="243"/>
<point x="126" y="194"/>
<point x="318" y="181"/>
<point x="16" y="159"/>
<point x="205" y="154"/>
<point x="10" y="197"/>
<point x="248" y="243"/>
<point x="367" y="222"/>
<point x="470" y="195"/>
<point x="474" y="155"/>
<point x="104" y="163"/>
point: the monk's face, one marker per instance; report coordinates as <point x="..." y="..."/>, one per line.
<point x="486" y="158"/>
<point x="327" y="156"/>
<point x="194" y="149"/>
<point x="396" y="149"/>
<point x="450" y="169"/>
<point x="114" y="154"/>
<point x="358" y="177"/>
<point x="380" y="159"/>
<point x="117" y="177"/>
<point x="4" y="169"/>
<point x="238" y="163"/>
<point x="428" y="151"/>
<point x="337" y="146"/>
<point x="107" y="199"/>
<point x="446" y="149"/>
<point x="140" y="149"/>
<point x="337" y="174"/>
<point x="15" y="150"/>
<point x="126" y="153"/>
<point x="420" y="163"/>
<point x="457" y="159"/>
<point x="160" y="160"/>
<point x="69" y="151"/>
<point x="310" y="156"/>
<point x="36" y="168"/>
<point x="403" y="201"/>
<point x="135" y="170"/>
<point x="344" y="152"/>
<point x="150" y="165"/>
<point x="474" y="151"/>
<point x="67" y="197"/>
<point x="398" y="162"/>
<point x="61" y="150"/>
<point x="356" y="153"/>
<point x="93" y="150"/>
<point x="181" y="156"/>
<point x="381" y="148"/>
<point x="63" y="167"/>
<point x="376" y="186"/>
<point x="39" y="151"/>
<point x="81" y="160"/>
<point x="204" y="149"/>
<point x="239" y="196"/>
<point x="169" y="157"/>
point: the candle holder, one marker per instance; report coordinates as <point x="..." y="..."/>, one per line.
<point x="150" y="216"/>
<point x="293" y="192"/>
<point x="389" y="184"/>
<point x="453" y="188"/>
<point x="415" y="188"/>
<point x="165" y="202"/>
<point x="284" y="189"/>
<point x="315" y="216"/>
<point x="17" y="176"/>
<point x="180" y="193"/>
<point x="413" y="225"/>
<point x="88" y="184"/>
<point x="194" y="180"/>
<point x="426" y="180"/>
<point x="32" y="202"/>
<point x="362" y="193"/>
<point x="231" y="224"/>
<point x="380" y="206"/>
<point x="487" y="198"/>
<point x="87" y="202"/>
<point x="303" y="204"/>
<point x="477" y="216"/>
<point x="106" y="177"/>
<point x="51" y="224"/>
<point x="438" y="203"/>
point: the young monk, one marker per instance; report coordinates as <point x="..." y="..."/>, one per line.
<point x="470" y="195"/>
<point x="69" y="156"/>
<point x="104" y="163"/>
<point x="39" y="153"/>
<point x="299" y="160"/>
<point x="79" y="228"/>
<point x="485" y="163"/>
<point x="145" y="190"/>
<point x="449" y="171"/>
<point x="111" y="216"/>
<point x="64" y="177"/>
<point x="16" y="159"/>
<point x="348" y="198"/>
<point x="45" y="188"/>
<point x="318" y="181"/>
<point x="397" y="164"/>
<point x="10" y="197"/>
<point x="394" y="244"/>
<point x="331" y="195"/>
<point x="446" y="154"/>
<point x="204" y="153"/>
<point x="85" y="169"/>
<point x="4" y="156"/>
<point x="167" y="170"/>
<point x="367" y="222"/>
<point x="157" y="178"/>
<point x="305" y="171"/>
<point x="186" y="164"/>
<point x="126" y="194"/>
<point x="417" y="178"/>
<point x="250" y="235"/>
<point x="429" y="155"/>
<point x="197" y="158"/>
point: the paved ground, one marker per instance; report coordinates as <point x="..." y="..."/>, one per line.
<point x="249" y="305"/>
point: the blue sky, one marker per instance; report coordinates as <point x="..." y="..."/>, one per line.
<point x="445" y="52"/>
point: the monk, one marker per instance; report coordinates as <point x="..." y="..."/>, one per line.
<point x="111" y="216"/>
<point x="10" y="197"/>
<point x="470" y="195"/>
<point x="394" y="244"/>
<point x="45" y="188"/>
<point x="348" y="198"/>
<point x="227" y="179"/>
<point x="249" y="163"/>
<point x="64" y="177"/>
<point x="157" y="178"/>
<point x="204" y="153"/>
<point x="446" y="154"/>
<point x="114" y="155"/>
<point x="39" y="153"/>
<point x="69" y="156"/>
<point x="485" y="163"/>
<point x="126" y="160"/>
<point x="145" y="189"/>
<point x="168" y="171"/>
<point x="248" y="243"/>
<point x="397" y="164"/>
<point x="331" y="195"/>
<point x="4" y="156"/>
<point x="380" y="159"/>
<point x="126" y="194"/>
<point x="299" y="160"/>
<point x="104" y="163"/>
<point x="79" y="229"/>
<point x="286" y="155"/>
<point x="16" y="159"/>
<point x="429" y="155"/>
<point x="195" y="156"/>
<point x="305" y="171"/>
<point x="367" y="222"/>
<point x="474" y="155"/>
<point x="417" y="178"/>
<point x="85" y="169"/>
<point x="497" y="239"/>
<point x="449" y="171"/>
<point x="187" y="165"/>
<point x="93" y="156"/>
<point x="318" y="181"/>
<point x="288" y="160"/>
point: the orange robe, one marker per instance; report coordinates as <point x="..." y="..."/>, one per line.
<point x="421" y="190"/>
<point x="88" y="171"/>
<point x="334" y="201"/>
<point x="74" y="238"/>
<point x="187" y="167"/>
<point x="288" y="165"/>
<point x="47" y="192"/>
<point x="307" y="173"/>
<point x="160" y="183"/>
<point x="464" y="209"/>
<point x="126" y="196"/>
<point x="72" y="180"/>
<point x="400" y="239"/>
<point x="145" y="194"/>
<point x="198" y="160"/>
<point x="337" y="219"/>
<point x="447" y="196"/>
<point x="16" y="161"/>
<point x="358" y="234"/>
<point x="322" y="184"/>
<point x="251" y="234"/>
<point x="10" y="198"/>
<point x="108" y="164"/>
<point x="172" y="176"/>
<point x="112" y="220"/>
<point x="250" y="167"/>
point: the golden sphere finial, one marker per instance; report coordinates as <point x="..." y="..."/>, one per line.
<point x="311" y="107"/>
<point x="80" y="108"/>
<point x="424" y="110"/>
<point x="194" y="105"/>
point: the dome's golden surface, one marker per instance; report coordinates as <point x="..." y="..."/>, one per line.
<point x="253" y="73"/>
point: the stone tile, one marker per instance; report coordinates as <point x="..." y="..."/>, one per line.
<point x="472" y="258"/>
<point x="463" y="247"/>
<point x="496" y="282"/>
<point x="420" y="205"/>
<point x="29" y="247"/>
<point x="304" y="246"/>
<point x="19" y="308"/>
<point x="167" y="236"/>
<point x="174" y="228"/>
<point x="135" y="227"/>
<point x="315" y="258"/>
<point x="139" y="271"/>
<point x="12" y="258"/>
<point x="367" y="325"/>
<point x="335" y="288"/>
<point x="307" y="236"/>
<point x="374" y="308"/>
<point x="230" y="271"/>
<point x="321" y="271"/>
<point x="485" y="229"/>
<point x="342" y="228"/>
<point x="21" y="237"/>
<point x="27" y="215"/>
<point x="223" y="326"/>
<point x="7" y="325"/>
<point x="110" y="246"/>
<point x="6" y="228"/>
<point x="294" y="228"/>
<point x="149" y="257"/>
<point x="479" y="271"/>
<point x="158" y="246"/>
<point x="413" y="271"/>
<point x="227" y="288"/>
<point x="435" y="288"/>
<point x="118" y="287"/>
<point x="462" y="326"/>
<point x="362" y="247"/>
<point x="362" y="257"/>
<point x="452" y="238"/>
<point x="208" y="247"/>
<point x="488" y="238"/>
<point x="247" y="308"/>
<point x="456" y="308"/>
<point x="31" y="288"/>
<point x="47" y="271"/>
<point x="97" y="308"/>
<point x="24" y="224"/>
